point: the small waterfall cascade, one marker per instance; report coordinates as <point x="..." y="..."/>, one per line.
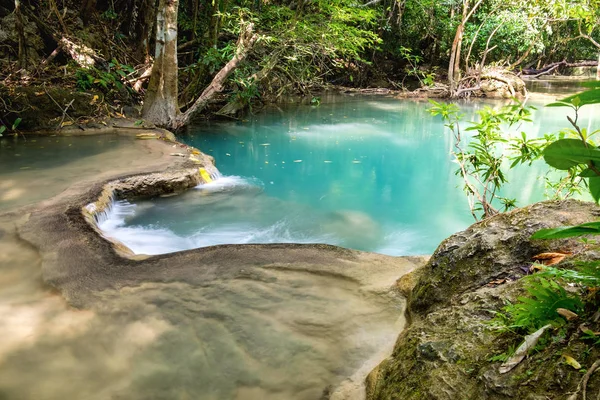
<point x="108" y="208"/>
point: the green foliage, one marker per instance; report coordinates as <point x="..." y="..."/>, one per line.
<point x="590" y="228"/>
<point x="583" y="273"/>
<point x="426" y="79"/>
<point x="107" y="80"/>
<point x="214" y="59"/>
<point x="539" y="307"/>
<point x="502" y="357"/>
<point x="245" y="90"/>
<point x="109" y="15"/>
<point x="13" y="128"/>
<point x="323" y="40"/>
<point x="481" y="161"/>
<point x="577" y="154"/>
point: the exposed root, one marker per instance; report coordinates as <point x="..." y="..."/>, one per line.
<point x="582" y="386"/>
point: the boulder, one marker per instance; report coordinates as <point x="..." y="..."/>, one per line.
<point x="447" y="351"/>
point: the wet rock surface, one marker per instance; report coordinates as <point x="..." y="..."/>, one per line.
<point x="445" y="352"/>
<point x="226" y="322"/>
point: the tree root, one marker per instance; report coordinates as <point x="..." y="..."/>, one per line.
<point x="582" y="386"/>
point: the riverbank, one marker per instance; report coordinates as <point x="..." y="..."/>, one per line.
<point x="57" y="109"/>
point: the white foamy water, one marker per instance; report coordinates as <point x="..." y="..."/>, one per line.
<point x="229" y="196"/>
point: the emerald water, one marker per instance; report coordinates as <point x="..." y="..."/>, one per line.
<point x="366" y="173"/>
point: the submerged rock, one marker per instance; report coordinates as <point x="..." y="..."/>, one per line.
<point x="445" y="353"/>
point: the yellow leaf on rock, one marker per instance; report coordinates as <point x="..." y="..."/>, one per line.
<point x="146" y="136"/>
<point x="571" y="361"/>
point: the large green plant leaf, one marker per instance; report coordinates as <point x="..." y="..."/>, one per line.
<point x="591" y="84"/>
<point x="591" y="96"/>
<point x="590" y="228"/>
<point x="594" y="185"/>
<point x="566" y="153"/>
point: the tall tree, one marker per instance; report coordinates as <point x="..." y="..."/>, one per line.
<point x="160" y="103"/>
<point x="468" y="9"/>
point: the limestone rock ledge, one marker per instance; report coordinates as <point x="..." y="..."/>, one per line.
<point x="444" y="354"/>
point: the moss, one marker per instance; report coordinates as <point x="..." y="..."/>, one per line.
<point x="445" y="352"/>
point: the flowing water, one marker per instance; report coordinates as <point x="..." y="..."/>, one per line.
<point x="366" y="173"/>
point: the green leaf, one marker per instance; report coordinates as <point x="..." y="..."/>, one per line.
<point x="564" y="154"/>
<point x="588" y="173"/>
<point x="591" y="96"/>
<point x="559" y="104"/>
<point x="139" y="122"/>
<point x="591" y="84"/>
<point x="2" y="129"/>
<point x="594" y="185"/>
<point x="16" y="123"/>
<point x="589" y="228"/>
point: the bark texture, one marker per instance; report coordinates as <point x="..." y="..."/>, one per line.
<point x="160" y="105"/>
<point x="21" y="33"/>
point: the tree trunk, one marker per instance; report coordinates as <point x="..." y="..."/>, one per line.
<point x="160" y="103"/>
<point x="87" y="9"/>
<point x="145" y="32"/>
<point x="22" y="55"/>
<point x="454" y="65"/>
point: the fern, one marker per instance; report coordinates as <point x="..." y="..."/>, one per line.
<point x="539" y="307"/>
<point x="585" y="273"/>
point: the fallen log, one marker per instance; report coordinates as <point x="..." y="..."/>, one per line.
<point x="553" y="66"/>
<point x="82" y="54"/>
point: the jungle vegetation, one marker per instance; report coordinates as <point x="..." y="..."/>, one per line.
<point x="178" y="56"/>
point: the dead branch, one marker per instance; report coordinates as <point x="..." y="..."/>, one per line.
<point x="52" y="56"/>
<point x="82" y="54"/>
<point x="138" y="82"/>
<point x="583" y="383"/>
<point x="244" y="45"/>
<point x="65" y="114"/>
<point x="551" y="67"/>
<point x="501" y="79"/>
<point x="63" y="110"/>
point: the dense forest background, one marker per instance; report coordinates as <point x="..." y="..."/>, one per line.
<point x="271" y="49"/>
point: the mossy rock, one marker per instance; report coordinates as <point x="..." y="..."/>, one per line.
<point x="496" y="248"/>
<point x="446" y="352"/>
